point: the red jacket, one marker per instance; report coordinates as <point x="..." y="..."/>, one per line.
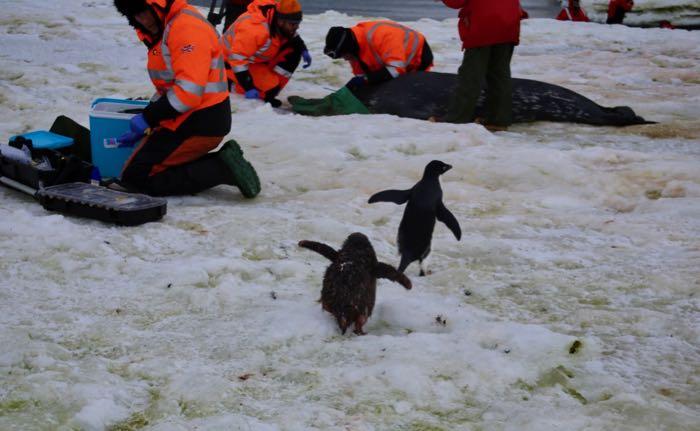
<point x="573" y="14"/>
<point x="617" y="10"/>
<point x="487" y="22"/>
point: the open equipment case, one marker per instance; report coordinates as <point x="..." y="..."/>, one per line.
<point x="45" y="166"/>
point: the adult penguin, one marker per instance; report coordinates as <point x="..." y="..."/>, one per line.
<point x="423" y="208"/>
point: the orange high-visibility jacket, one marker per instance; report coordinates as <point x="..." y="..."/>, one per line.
<point x="187" y="64"/>
<point x="248" y="40"/>
<point x="387" y="44"/>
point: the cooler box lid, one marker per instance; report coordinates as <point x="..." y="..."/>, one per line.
<point x="46" y="140"/>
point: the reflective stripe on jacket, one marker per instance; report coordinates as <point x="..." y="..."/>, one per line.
<point x="487" y="22"/>
<point x="187" y="64"/>
<point x="387" y="44"/>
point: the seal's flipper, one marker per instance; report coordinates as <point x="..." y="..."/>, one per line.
<point x="445" y="216"/>
<point x="324" y="250"/>
<point x="396" y="196"/>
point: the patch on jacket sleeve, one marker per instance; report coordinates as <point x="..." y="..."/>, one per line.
<point x="188" y="48"/>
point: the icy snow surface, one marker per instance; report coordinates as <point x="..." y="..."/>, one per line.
<point x="208" y="320"/>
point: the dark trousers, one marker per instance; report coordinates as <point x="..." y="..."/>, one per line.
<point x="176" y="162"/>
<point x="490" y="65"/>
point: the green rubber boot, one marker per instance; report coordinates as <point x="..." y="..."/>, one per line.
<point x="244" y="175"/>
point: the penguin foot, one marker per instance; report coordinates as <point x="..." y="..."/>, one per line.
<point x="359" y="323"/>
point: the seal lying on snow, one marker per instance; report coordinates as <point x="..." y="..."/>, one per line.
<point x="350" y="282"/>
<point x="422" y="95"/>
<point x="425" y="94"/>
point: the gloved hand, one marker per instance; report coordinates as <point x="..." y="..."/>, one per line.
<point x="307" y="58"/>
<point x="355" y="82"/>
<point x="138" y="127"/>
<point x="276" y="103"/>
<point x="253" y="93"/>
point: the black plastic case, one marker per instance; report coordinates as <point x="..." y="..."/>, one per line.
<point x="101" y="203"/>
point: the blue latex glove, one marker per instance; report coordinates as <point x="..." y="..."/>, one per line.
<point x="253" y="93"/>
<point x="138" y="127"/>
<point x="357" y="81"/>
<point x="307" y="58"/>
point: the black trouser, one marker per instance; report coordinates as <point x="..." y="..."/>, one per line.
<point x="163" y="164"/>
<point x="490" y="64"/>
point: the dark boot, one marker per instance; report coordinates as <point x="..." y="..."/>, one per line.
<point x="243" y="174"/>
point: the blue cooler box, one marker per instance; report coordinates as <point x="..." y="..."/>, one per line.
<point x="109" y="118"/>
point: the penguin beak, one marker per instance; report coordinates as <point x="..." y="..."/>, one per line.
<point x="446" y="168"/>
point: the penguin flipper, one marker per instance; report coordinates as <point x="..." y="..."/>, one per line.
<point x="324" y="250"/>
<point x="405" y="261"/>
<point x="445" y="216"/>
<point x="396" y="196"/>
<point x="384" y="270"/>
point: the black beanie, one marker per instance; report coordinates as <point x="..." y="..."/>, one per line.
<point x="339" y="41"/>
<point x="129" y="8"/>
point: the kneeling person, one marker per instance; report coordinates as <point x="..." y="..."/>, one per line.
<point x="262" y="49"/>
<point x="190" y="113"/>
<point x="379" y="50"/>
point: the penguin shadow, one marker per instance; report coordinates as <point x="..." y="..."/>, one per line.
<point x="423" y="207"/>
<point x="350" y="281"/>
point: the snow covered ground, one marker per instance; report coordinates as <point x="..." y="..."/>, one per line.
<point x="208" y="320"/>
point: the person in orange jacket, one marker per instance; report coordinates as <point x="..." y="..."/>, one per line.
<point x="574" y="12"/>
<point x="189" y="114"/>
<point x="617" y="10"/>
<point x="262" y="49"/>
<point x="378" y="51"/>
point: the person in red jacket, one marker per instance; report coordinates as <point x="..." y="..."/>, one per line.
<point x="617" y="10"/>
<point x="574" y="12"/>
<point x="489" y="31"/>
<point x="379" y="51"/>
<point x="262" y="49"/>
<point x="189" y="114"/>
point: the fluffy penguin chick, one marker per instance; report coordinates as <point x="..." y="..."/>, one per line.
<point x="350" y="282"/>
<point x="423" y="208"/>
